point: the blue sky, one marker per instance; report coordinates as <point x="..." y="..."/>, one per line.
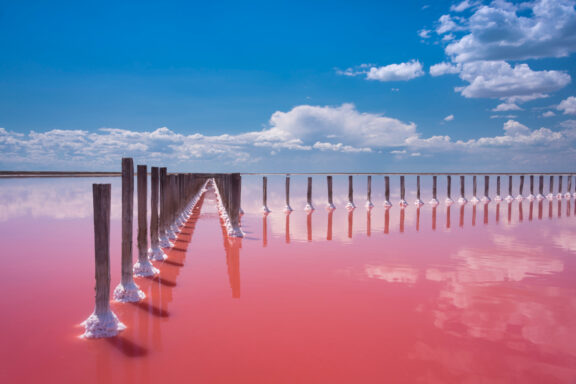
<point x="289" y="86"/>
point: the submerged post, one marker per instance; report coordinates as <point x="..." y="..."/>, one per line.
<point x="550" y="194"/>
<point x="540" y="187"/>
<point x="418" y="201"/>
<point x="155" y="252"/>
<point x="486" y="197"/>
<point x="498" y="197"/>
<point x="127" y="290"/>
<point x="235" y="194"/>
<point x="387" y="202"/>
<point x="531" y="195"/>
<point x="474" y="198"/>
<point x="462" y="198"/>
<point x="403" y="202"/>
<point x="330" y="201"/>
<point x="163" y="223"/>
<point x="288" y="208"/>
<point x="449" y="190"/>
<point x="509" y="198"/>
<point x="559" y="195"/>
<point x="265" y="195"/>
<point x="369" y="192"/>
<point x="350" y="204"/>
<point x="309" y="207"/>
<point x="434" y="200"/>
<point x="103" y="322"/>
<point x="520" y="189"/>
<point x="143" y="267"/>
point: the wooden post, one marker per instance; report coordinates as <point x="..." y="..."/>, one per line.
<point x="559" y="195"/>
<point x="330" y="201"/>
<point x="350" y="204"/>
<point x="498" y="197"/>
<point x="568" y="187"/>
<point x="155" y="252"/>
<point x="531" y="196"/>
<point x="387" y="202"/>
<point x="164" y="228"/>
<point x="288" y="208"/>
<point x="434" y="200"/>
<point x="509" y="198"/>
<point x="265" y="195"/>
<point x="369" y="192"/>
<point x="474" y="198"/>
<point x="449" y="190"/>
<point x="143" y="267"/>
<point x="309" y="207"/>
<point x="462" y="199"/>
<point x="486" y="197"/>
<point x="103" y="322"/>
<point x="235" y="201"/>
<point x="521" y="189"/>
<point x="403" y="202"/>
<point x="127" y="290"/>
<point x="550" y="195"/>
<point x="418" y="201"/>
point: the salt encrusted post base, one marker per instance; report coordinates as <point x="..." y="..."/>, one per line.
<point x="498" y="198"/>
<point x="265" y="209"/>
<point x="540" y="197"/>
<point x="403" y="203"/>
<point x="550" y="196"/>
<point x="486" y="199"/>
<point x="519" y="197"/>
<point x="145" y="269"/>
<point x="449" y="201"/>
<point x="433" y="202"/>
<point x="288" y="208"/>
<point x="128" y="293"/>
<point x="418" y="203"/>
<point x="350" y="205"/>
<point x="509" y="198"/>
<point x="387" y="204"/>
<point x="165" y="242"/>
<point x="102" y="325"/>
<point x="156" y="254"/>
<point x="531" y="197"/>
<point x="369" y="204"/>
<point x="462" y="201"/>
<point x="309" y="208"/>
<point x="330" y="207"/>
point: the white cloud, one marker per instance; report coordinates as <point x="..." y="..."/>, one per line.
<point x="548" y="114"/>
<point x="498" y="79"/>
<point x="464" y="5"/>
<point x="449" y="118"/>
<point x="504" y="107"/>
<point x="396" y="72"/>
<point x="444" y="68"/>
<point x="499" y="31"/>
<point x="447" y="24"/>
<point x="424" y="33"/>
<point x="339" y="147"/>
<point x="568" y="106"/>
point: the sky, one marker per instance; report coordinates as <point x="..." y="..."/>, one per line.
<point x="287" y="86"/>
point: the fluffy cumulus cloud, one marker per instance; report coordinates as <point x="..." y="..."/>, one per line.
<point x="568" y="106"/>
<point x="514" y="31"/>
<point x="392" y="72"/>
<point x="444" y="68"/>
<point x="498" y="79"/>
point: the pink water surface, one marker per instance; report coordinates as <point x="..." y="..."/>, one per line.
<point x="479" y="294"/>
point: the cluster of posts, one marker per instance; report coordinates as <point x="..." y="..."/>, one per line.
<point x="172" y="199"/>
<point x="434" y="201"/>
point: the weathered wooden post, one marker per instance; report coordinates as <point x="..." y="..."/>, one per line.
<point x="155" y="252"/>
<point x="387" y="202"/>
<point x="330" y="201"/>
<point x="449" y="190"/>
<point x="265" y="195"/>
<point x="309" y="207"/>
<point x="521" y="189"/>
<point x="103" y="322"/>
<point x="486" y="197"/>
<point x="434" y="200"/>
<point x="418" y="201"/>
<point x="127" y="290"/>
<point x="462" y="199"/>
<point x="143" y="267"/>
<point x="568" y="193"/>
<point x="531" y="195"/>
<point x="173" y="207"/>
<point x="474" y="199"/>
<point x="559" y="195"/>
<point x="550" y="194"/>
<point x="540" y="195"/>
<point x="288" y="208"/>
<point x="235" y="195"/>
<point x="498" y="196"/>
<point x="403" y="202"/>
<point x="164" y="228"/>
<point x="369" y="204"/>
<point x="350" y="204"/>
<point x="509" y="198"/>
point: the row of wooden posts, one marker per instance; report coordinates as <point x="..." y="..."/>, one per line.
<point x="172" y="198"/>
<point x="434" y="201"/>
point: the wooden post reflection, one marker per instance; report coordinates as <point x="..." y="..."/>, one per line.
<point x="233" y="245"/>
<point x="387" y="221"/>
<point x="520" y="211"/>
<point x="497" y="213"/>
<point x="287" y="228"/>
<point x="559" y="208"/>
<point x="329" y="230"/>
<point x="264" y="230"/>
<point x="402" y="214"/>
<point x="461" y="223"/>
<point x="448" y="216"/>
<point x="530" y="211"/>
<point x="368" y="222"/>
<point x="309" y="225"/>
<point x="540" y="206"/>
<point x="550" y="210"/>
<point x="485" y="214"/>
<point x="434" y="218"/>
<point x="350" y="222"/>
<point x="418" y="219"/>
<point x="568" y="208"/>
<point x="509" y="213"/>
<point x="474" y="215"/>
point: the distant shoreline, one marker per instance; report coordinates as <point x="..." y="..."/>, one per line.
<point x="15" y="174"/>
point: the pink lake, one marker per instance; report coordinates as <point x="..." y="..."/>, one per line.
<point x="472" y="294"/>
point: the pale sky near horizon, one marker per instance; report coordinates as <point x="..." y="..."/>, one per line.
<point x="289" y="86"/>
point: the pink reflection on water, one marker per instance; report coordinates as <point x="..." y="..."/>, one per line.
<point x="399" y="297"/>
